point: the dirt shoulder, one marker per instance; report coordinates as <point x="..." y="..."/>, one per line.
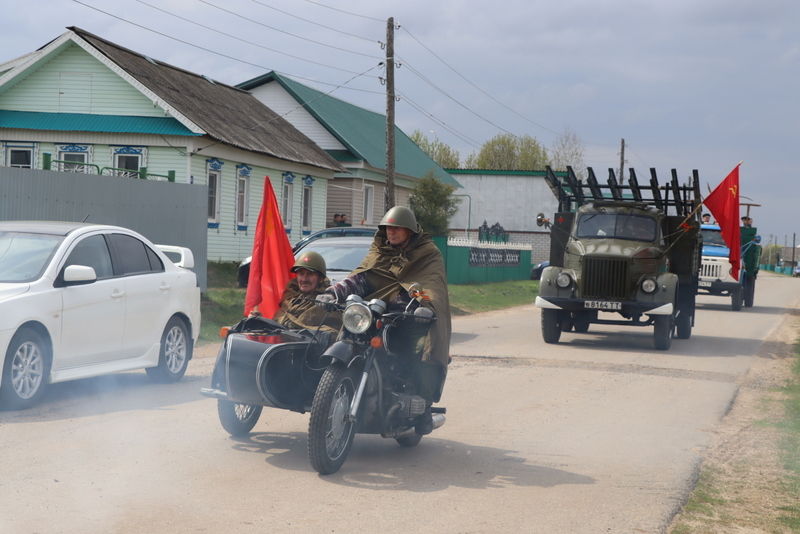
<point x="742" y="484"/>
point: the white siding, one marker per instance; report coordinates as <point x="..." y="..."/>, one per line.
<point x="281" y="102"/>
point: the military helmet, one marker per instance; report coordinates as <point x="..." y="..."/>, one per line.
<point x="400" y="216"/>
<point x="312" y="261"/>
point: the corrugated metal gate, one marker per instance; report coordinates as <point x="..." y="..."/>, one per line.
<point x="164" y="212"/>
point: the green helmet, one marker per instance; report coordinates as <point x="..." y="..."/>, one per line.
<point x="400" y="216"/>
<point x="312" y="261"/>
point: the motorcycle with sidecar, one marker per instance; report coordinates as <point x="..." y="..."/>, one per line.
<point x="364" y="382"/>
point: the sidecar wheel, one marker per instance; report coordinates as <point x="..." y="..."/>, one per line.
<point x="409" y="441"/>
<point x="237" y="419"/>
<point x="330" y="432"/>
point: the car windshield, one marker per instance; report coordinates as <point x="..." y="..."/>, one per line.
<point x="24" y="256"/>
<point x="616" y="225"/>
<point x="713" y="237"/>
<point x="340" y="256"/>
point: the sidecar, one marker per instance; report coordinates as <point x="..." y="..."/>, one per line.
<point x="261" y="363"/>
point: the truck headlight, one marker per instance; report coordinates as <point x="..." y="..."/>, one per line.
<point x="357" y="317"/>
<point x="649" y="285"/>
<point x="563" y="280"/>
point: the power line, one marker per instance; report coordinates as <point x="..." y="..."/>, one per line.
<point x="287" y="33"/>
<point x="445" y="93"/>
<point x="444" y="125"/>
<point x="199" y="47"/>
<point x="332" y="28"/>
<point x="476" y="86"/>
<point x="245" y="40"/>
<point x="345" y="12"/>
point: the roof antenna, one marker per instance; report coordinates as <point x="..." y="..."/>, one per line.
<point x="87" y="216"/>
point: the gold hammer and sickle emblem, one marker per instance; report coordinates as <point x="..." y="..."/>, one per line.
<point x="732" y="190"/>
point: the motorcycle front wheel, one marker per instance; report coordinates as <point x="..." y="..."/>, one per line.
<point x="237" y="419"/>
<point x="330" y="432"/>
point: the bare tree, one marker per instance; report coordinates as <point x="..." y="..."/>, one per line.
<point x="567" y="149"/>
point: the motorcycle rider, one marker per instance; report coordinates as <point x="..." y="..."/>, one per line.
<point x="297" y="309"/>
<point x="401" y="255"/>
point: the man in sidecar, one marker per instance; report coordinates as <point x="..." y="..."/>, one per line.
<point x="402" y="255"/>
<point x="297" y="308"/>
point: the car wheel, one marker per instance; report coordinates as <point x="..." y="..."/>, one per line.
<point x="175" y="353"/>
<point x="27" y="365"/>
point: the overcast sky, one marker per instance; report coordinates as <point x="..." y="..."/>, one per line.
<point x="689" y="84"/>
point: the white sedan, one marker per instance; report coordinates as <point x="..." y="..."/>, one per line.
<point x="80" y="300"/>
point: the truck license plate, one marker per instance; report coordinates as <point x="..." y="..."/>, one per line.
<point x="602" y="305"/>
<point x="704" y="283"/>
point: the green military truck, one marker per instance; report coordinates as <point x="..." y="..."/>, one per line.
<point x="622" y="254"/>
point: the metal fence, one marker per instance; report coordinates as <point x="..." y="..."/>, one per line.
<point x="164" y="212"/>
<point x="470" y="261"/>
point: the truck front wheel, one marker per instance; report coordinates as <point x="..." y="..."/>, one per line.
<point x="662" y="332"/>
<point x="551" y="329"/>
<point x="736" y="298"/>
<point x="683" y="325"/>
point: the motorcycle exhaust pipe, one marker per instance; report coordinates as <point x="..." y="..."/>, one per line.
<point x="438" y="420"/>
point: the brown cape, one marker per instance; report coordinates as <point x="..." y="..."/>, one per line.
<point x="299" y="311"/>
<point x="389" y="269"/>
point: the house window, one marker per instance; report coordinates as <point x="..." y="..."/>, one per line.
<point x="213" y="196"/>
<point x="287" y="204"/>
<point x="20" y="157"/>
<point x="307" y="208"/>
<point x="369" y="200"/>
<point x="242" y="195"/>
<point x="76" y="161"/>
<point x="128" y="160"/>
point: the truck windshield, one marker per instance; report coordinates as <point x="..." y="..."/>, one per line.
<point x="616" y="225"/>
<point x="713" y="237"/>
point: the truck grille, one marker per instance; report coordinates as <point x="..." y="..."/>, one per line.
<point x="605" y="278"/>
<point x="711" y="270"/>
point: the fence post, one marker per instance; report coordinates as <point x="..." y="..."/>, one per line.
<point x="143" y="173"/>
<point x="171" y="176"/>
<point x="47" y="159"/>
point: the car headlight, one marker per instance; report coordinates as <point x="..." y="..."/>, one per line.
<point x="649" y="285"/>
<point x="357" y="317"/>
<point x="563" y="280"/>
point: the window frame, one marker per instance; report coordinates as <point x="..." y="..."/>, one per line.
<point x="241" y="198"/>
<point x="10" y="149"/>
<point x="368" y="203"/>
<point x="307" y="211"/>
<point x="286" y="204"/>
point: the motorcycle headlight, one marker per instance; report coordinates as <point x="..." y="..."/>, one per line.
<point x="649" y="285"/>
<point x="357" y="317"/>
<point x="563" y="280"/>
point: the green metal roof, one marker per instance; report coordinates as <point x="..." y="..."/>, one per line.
<point x="86" y="122"/>
<point x="502" y="172"/>
<point x="363" y="132"/>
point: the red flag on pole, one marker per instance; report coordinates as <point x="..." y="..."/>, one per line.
<point x="723" y="203"/>
<point x="272" y="258"/>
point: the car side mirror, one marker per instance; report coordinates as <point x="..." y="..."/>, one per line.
<point x="78" y="275"/>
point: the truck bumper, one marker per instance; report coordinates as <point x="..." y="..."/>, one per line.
<point x="717" y="287"/>
<point x="625" y="307"/>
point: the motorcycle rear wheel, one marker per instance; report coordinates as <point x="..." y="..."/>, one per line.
<point x="237" y="419"/>
<point x="330" y="433"/>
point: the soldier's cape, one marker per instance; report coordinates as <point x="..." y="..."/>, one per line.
<point x="390" y="269"/>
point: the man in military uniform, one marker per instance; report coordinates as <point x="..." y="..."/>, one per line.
<point x="297" y="309"/>
<point x="401" y="255"/>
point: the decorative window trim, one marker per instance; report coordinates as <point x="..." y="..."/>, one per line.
<point x="368" y="213"/>
<point x="214" y="164"/>
<point x="308" y="180"/>
<point x="75" y="149"/>
<point x="288" y="177"/>
<point x="128" y="150"/>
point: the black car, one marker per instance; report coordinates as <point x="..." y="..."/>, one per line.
<point x="536" y="272"/>
<point x="335" y="232"/>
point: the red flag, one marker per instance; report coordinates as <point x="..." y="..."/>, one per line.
<point x="723" y="203"/>
<point x="272" y="258"/>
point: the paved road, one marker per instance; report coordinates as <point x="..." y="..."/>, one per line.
<point x="599" y="433"/>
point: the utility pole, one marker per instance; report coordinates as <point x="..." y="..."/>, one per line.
<point x="621" y="160"/>
<point x="389" y="196"/>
